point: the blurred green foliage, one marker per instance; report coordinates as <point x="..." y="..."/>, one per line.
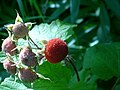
<point x="98" y="21"/>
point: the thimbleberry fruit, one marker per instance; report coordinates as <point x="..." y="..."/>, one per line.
<point x="9" y="66"/>
<point x="56" y="50"/>
<point x="27" y="75"/>
<point x="27" y="57"/>
<point x="19" y="30"/>
<point x="8" y="45"/>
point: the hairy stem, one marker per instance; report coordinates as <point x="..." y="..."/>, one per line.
<point x="34" y="43"/>
<point x="76" y="72"/>
<point x="115" y="84"/>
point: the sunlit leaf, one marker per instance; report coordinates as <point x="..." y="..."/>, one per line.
<point x="4" y="88"/>
<point x="13" y="85"/>
<point x="56" y="29"/>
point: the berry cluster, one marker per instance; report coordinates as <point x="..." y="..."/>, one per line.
<point x="53" y="50"/>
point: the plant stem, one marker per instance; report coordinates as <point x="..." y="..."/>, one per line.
<point x="115" y="84"/>
<point x="34" y="43"/>
<point x="76" y="72"/>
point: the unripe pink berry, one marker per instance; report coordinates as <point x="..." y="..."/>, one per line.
<point x="27" y="57"/>
<point x="8" y="45"/>
<point x="27" y="75"/>
<point x="9" y="66"/>
<point x="20" y="30"/>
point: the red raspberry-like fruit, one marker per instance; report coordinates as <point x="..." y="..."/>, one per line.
<point x="27" y="75"/>
<point x="19" y="30"/>
<point x="8" y="45"/>
<point x="56" y="50"/>
<point x="9" y="66"/>
<point x="27" y="57"/>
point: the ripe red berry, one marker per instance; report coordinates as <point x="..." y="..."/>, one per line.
<point x="27" y="75"/>
<point x="56" y="50"/>
<point x="8" y="45"/>
<point x="27" y="57"/>
<point x="19" y="30"/>
<point x="9" y="66"/>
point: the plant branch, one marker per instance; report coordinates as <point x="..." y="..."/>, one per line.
<point x="76" y="72"/>
<point x="34" y="43"/>
<point x="115" y="84"/>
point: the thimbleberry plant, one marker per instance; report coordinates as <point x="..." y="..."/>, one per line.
<point x="26" y="54"/>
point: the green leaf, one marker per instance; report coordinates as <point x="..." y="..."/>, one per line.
<point x="104" y="29"/>
<point x="2" y="57"/>
<point x="74" y="9"/>
<point x="3" y="75"/>
<point x="103" y="60"/>
<point x="1" y="67"/>
<point x="21" y="7"/>
<point x="56" y="29"/>
<point x="58" y="12"/>
<point x="55" y="72"/>
<point x="117" y="87"/>
<point x="13" y="85"/>
<point x="114" y="5"/>
<point x="47" y="85"/>
<point x="4" y="88"/>
<point x="87" y="82"/>
<point x="22" y="42"/>
<point x="36" y="6"/>
<point x="83" y="86"/>
<point x="59" y="77"/>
